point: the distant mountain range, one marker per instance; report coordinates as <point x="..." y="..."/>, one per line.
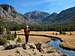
<point x="39" y="19"/>
<point x="35" y="16"/>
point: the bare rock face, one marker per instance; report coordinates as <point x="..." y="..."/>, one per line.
<point x="8" y="8"/>
<point x="8" y="13"/>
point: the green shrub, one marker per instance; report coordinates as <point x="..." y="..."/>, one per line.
<point x="62" y="32"/>
<point x="3" y="41"/>
<point x="10" y="37"/>
<point x="5" y="38"/>
<point x="19" y="40"/>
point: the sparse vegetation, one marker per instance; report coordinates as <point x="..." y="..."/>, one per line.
<point x="10" y="37"/>
<point x="3" y="41"/>
<point x="62" y="32"/>
<point x="50" y="51"/>
<point x="4" y="38"/>
<point x="19" y="40"/>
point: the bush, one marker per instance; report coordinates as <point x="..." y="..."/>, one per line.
<point x="3" y="41"/>
<point x="19" y="40"/>
<point x="10" y="37"/>
<point x="62" y="32"/>
<point x="4" y="38"/>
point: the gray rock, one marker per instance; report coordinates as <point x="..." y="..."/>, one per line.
<point x="1" y="47"/>
<point x="10" y="45"/>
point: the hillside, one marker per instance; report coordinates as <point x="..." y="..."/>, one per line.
<point x="8" y="13"/>
<point x="44" y="21"/>
<point x="35" y="16"/>
<point x="10" y="18"/>
<point x="67" y="18"/>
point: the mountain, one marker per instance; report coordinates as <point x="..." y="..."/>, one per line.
<point x="65" y="19"/>
<point x="34" y="19"/>
<point x="36" y="16"/>
<point x="10" y="18"/>
<point x="38" y="20"/>
<point x="8" y="13"/>
<point x="66" y="15"/>
<point x="50" y="19"/>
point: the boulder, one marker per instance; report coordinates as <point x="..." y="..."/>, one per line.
<point x="10" y="45"/>
<point x="1" y="47"/>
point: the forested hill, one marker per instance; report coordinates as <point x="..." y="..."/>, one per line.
<point x="65" y="20"/>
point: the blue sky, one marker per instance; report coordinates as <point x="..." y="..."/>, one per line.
<point x="49" y="6"/>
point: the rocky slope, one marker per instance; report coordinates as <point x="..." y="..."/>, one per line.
<point x="36" y="16"/>
<point x="8" y="13"/>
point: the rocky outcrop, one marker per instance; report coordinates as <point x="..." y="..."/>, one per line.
<point x="32" y="49"/>
<point x="40" y="49"/>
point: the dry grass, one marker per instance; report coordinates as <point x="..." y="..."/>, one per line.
<point x="35" y="36"/>
<point x="69" y="40"/>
